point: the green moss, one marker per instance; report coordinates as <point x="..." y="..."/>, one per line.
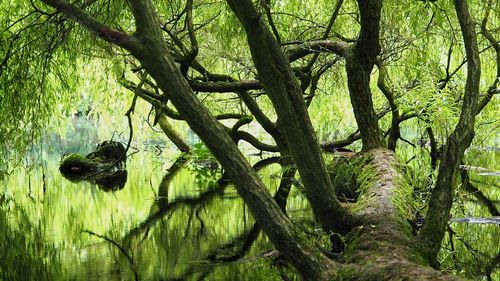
<point x="108" y="151"/>
<point x="403" y="198"/>
<point x="74" y="166"/>
<point x="349" y="176"/>
<point x="352" y="244"/>
<point x="72" y="158"/>
<point x="104" y="167"/>
<point x="366" y="175"/>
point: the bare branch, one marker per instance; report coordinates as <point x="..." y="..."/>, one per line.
<point x="301" y="50"/>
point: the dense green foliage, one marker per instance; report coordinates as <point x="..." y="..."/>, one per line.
<point x="47" y="60"/>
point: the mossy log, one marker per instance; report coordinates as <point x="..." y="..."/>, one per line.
<point x="104" y="167"/>
<point x="383" y="247"/>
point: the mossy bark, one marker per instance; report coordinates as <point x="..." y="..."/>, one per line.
<point x="172" y="134"/>
<point x="384" y="248"/>
<point x="104" y="167"/>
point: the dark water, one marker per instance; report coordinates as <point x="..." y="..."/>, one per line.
<point x="169" y="228"/>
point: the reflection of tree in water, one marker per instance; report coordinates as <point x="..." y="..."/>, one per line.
<point x="231" y="251"/>
<point x="483" y="261"/>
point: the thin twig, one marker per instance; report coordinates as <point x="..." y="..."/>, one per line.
<point x="129" y="258"/>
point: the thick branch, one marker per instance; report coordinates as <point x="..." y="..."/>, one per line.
<point x="104" y="32"/>
<point x="326" y="34"/>
<point x="262" y="118"/>
<point x="296" y="52"/>
<point x="159" y="103"/>
<point x="332" y="146"/>
<point x="227" y="83"/>
<point x="394" y="134"/>
<point x="172" y="134"/>
<point x="225" y="86"/>
<point x="192" y="37"/>
<point x="359" y="64"/>
<point x="438" y="214"/>
<point x="242" y="135"/>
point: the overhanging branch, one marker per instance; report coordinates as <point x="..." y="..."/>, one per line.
<point x="101" y="30"/>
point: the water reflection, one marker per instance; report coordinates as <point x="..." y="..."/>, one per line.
<point x="170" y="226"/>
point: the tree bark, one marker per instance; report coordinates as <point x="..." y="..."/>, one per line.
<point x="384" y="246"/>
<point x="438" y="213"/>
<point x="360" y="60"/>
<point x="283" y="90"/>
<point x="394" y="132"/>
<point x="172" y="134"/>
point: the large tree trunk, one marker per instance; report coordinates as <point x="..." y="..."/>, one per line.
<point x="384" y="248"/>
<point x="281" y="85"/>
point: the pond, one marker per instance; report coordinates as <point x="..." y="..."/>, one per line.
<point x="165" y="224"/>
<point x="160" y="226"/>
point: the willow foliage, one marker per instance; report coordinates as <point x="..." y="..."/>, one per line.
<point x="42" y="55"/>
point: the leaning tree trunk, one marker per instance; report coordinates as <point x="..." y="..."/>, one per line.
<point x="438" y="213"/>
<point x="383" y="248"/>
<point x="281" y="85"/>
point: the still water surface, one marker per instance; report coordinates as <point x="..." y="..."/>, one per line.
<point x="159" y="229"/>
<point x="152" y="229"/>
